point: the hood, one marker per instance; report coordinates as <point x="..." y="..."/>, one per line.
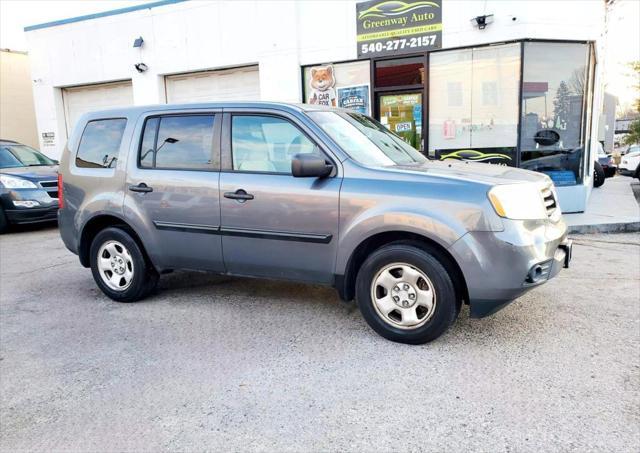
<point x="39" y="173"/>
<point x="473" y="171"/>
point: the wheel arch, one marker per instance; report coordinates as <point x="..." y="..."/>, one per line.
<point x="345" y="283"/>
<point x="98" y="223"/>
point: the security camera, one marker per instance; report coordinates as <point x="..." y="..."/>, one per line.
<point x="140" y="67"/>
<point x="483" y="21"/>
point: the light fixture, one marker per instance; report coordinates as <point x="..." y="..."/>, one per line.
<point x="483" y="21"/>
<point x="140" y="67"/>
<point x="138" y="42"/>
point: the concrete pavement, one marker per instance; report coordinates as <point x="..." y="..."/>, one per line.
<point x="229" y="364"/>
<point x="611" y="208"/>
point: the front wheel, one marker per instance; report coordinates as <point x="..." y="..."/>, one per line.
<point x="119" y="267"/>
<point x="405" y="294"/>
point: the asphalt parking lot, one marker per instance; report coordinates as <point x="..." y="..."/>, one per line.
<point x="211" y="363"/>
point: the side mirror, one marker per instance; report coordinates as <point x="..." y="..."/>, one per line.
<point x="310" y="165"/>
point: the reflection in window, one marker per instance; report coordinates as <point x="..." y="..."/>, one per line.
<point x="182" y="141"/>
<point x="266" y="143"/>
<point x="400" y="72"/>
<point x="100" y="143"/>
<point x="454" y="93"/>
<point x="553" y="89"/>
<point x="473" y="101"/>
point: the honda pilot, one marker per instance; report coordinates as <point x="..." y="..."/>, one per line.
<point x="310" y="194"/>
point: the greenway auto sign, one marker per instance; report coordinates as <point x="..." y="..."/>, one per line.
<point x="395" y="27"/>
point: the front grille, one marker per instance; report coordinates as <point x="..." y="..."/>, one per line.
<point x="51" y="187"/>
<point x="549" y="201"/>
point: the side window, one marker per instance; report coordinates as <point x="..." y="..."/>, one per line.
<point x="100" y="143"/>
<point x="266" y="143"/>
<point x="178" y="142"/>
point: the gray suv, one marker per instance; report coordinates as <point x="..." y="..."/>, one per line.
<point x="304" y="193"/>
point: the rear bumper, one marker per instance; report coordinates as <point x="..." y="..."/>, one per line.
<point x="609" y="171"/>
<point x="501" y="266"/>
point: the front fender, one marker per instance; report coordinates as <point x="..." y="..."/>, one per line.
<point x="371" y="223"/>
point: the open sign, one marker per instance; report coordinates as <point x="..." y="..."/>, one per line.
<point x="403" y="127"/>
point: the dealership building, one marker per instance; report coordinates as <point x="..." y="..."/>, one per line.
<point x="510" y="83"/>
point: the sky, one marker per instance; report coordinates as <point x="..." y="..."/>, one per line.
<point x="623" y="44"/>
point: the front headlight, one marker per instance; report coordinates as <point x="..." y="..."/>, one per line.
<point x="11" y="182"/>
<point x="518" y="201"/>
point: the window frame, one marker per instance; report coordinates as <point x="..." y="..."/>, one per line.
<point x="215" y="142"/>
<point x="227" y="141"/>
<point x="84" y="129"/>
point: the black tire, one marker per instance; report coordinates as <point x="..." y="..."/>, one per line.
<point x="446" y="306"/>
<point x="4" y="223"/>
<point x="145" y="277"/>
<point x="598" y="175"/>
<point x="637" y="173"/>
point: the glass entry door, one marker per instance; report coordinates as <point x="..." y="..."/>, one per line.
<point x="401" y="113"/>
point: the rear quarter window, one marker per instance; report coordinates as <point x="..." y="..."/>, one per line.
<point x="100" y="143"/>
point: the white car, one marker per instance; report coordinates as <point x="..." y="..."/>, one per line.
<point x="630" y="163"/>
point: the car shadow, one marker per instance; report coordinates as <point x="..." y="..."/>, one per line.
<point x="31" y="227"/>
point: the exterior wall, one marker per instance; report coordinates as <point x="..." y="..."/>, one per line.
<point x="279" y="36"/>
<point x="17" y="112"/>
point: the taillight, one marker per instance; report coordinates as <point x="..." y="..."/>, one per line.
<point x="60" y="192"/>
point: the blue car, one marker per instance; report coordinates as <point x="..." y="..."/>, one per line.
<point x="28" y="185"/>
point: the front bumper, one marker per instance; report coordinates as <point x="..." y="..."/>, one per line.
<point x="46" y="211"/>
<point x="498" y="266"/>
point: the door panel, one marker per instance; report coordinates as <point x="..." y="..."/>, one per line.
<point x="402" y="114"/>
<point x="281" y="226"/>
<point x="180" y="205"/>
<point x="288" y="230"/>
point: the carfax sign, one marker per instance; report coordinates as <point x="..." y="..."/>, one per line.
<point x="394" y="27"/>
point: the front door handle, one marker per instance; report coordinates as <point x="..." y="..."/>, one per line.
<point x="240" y="195"/>
<point x="142" y="187"/>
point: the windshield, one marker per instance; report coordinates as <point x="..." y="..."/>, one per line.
<point x="365" y="140"/>
<point x="22" y="156"/>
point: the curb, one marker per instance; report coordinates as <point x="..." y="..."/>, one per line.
<point x="622" y="227"/>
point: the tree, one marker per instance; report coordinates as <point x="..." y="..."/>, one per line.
<point x="634" y="128"/>
<point x="577" y="80"/>
<point x="561" y="106"/>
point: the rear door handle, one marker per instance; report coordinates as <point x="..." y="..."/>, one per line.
<point x="240" y="195"/>
<point x="142" y="187"/>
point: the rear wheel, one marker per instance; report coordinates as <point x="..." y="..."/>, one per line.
<point x="119" y="267"/>
<point x="637" y="173"/>
<point x="405" y="294"/>
<point x="598" y="174"/>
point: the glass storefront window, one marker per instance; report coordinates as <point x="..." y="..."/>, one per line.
<point x="473" y="104"/>
<point x="555" y="79"/>
<point x="344" y="85"/>
<point x="400" y="72"/>
<point x="402" y="114"/>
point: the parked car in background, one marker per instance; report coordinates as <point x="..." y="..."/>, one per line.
<point x="630" y="162"/>
<point x="306" y="193"/>
<point x="28" y="185"/>
<point x="630" y="149"/>
<point x="606" y="162"/>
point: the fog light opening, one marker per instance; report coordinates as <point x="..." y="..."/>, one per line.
<point x="26" y="203"/>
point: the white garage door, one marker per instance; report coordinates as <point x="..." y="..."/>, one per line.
<point x="88" y="98"/>
<point x="239" y="84"/>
